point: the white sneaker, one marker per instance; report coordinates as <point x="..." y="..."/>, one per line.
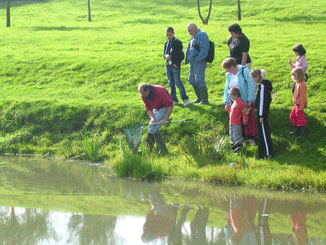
<point x="175" y="102"/>
<point x="186" y="103"/>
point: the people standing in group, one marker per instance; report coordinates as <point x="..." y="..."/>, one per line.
<point x="237" y="117"/>
<point x="301" y="61"/>
<point x="197" y="51"/>
<point x="297" y="116"/>
<point x="238" y="76"/>
<point x="174" y="54"/>
<point x="262" y="105"/>
<point x="239" y="46"/>
<point x="159" y="105"/>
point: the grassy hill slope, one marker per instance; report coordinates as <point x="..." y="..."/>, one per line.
<point x="61" y="75"/>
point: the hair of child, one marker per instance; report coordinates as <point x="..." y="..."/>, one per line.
<point x="256" y="72"/>
<point x="298" y="74"/>
<point x="300" y="49"/>
<point x="170" y="29"/>
<point x="235" y="92"/>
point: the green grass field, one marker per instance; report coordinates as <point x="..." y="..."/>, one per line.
<point x="61" y="75"/>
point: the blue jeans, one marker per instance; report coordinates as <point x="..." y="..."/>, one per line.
<point x="158" y="116"/>
<point x="173" y="75"/>
<point x="197" y="73"/>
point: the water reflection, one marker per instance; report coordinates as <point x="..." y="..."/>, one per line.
<point x="43" y="202"/>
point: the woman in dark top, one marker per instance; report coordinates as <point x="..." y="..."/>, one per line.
<point x="239" y="46"/>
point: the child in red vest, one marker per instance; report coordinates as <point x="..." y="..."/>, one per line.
<point x="238" y="114"/>
<point x="297" y="116"/>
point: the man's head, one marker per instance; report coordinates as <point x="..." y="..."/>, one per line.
<point x="169" y="33"/>
<point x="192" y="29"/>
<point x="144" y="89"/>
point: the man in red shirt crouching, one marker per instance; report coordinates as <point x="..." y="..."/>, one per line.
<point x="159" y="105"/>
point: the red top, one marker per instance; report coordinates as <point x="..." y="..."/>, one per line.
<point x="161" y="98"/>
<point x="238" y="111"/>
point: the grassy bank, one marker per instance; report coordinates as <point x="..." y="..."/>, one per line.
<point x="67" y="84"/>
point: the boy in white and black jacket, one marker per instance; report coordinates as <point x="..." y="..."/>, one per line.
<point x="174" y="54"/>
<point x="262" y="105"/>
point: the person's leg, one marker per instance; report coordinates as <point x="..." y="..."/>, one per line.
<point x="250" y="128"/>
<point x="150" y="141"/>
<point x="199" y="70"/>
<point x="192" y="80"/>
<point x="266" y="146"/>
<point x="268" y="138"/>
<point x="200" y="81"/>
<point x="261" y="151"/>
<point x="293" y="118"/>
<point x="170" y="76"/>
<point x="235" y="136"/>
<point x="177" y="80"/>
<point x="293" y="115"/>
<point x="191" y="77"/>
<point x="160" y="143"/>
<point x="158" y="116"/>
<point x="301" y="123"/>
<point x="301" y="119"/>
<point x="154" y="129"/>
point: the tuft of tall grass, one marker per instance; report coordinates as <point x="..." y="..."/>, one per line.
<point x="92" y="147"/>
<point x="203" y="150"/>
<point x="138" y="166"/>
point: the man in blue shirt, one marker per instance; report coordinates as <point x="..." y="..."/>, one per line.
<point x="197" y="51"/>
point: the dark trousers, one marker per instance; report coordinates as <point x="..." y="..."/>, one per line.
<point x="265" y="145"/>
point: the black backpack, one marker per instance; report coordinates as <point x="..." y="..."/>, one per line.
<point x="210" y="56"/>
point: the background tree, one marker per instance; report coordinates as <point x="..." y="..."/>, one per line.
<point x="8" y="13"/>
<point x="239" y="10"/>
<point x="89" y="11"/>
<point x="205" y="21"/>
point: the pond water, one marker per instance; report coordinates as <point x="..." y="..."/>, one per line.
<point x="60" y="202"/>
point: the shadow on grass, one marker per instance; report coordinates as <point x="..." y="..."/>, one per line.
<point x="65" y="28"/>
<point x="19" y="3"/>
<point x="308" y="19"/>
<point x="308" y="152"/>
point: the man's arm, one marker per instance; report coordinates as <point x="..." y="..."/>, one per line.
<point x="244" y="58"/>
<point x="150" y="113"/>
<point x="203" y="48"/>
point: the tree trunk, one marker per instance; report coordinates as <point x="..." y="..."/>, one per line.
<point x="239" y="10"/>
<point x="89" y="11"/>
<point x="205" y="21"/>
<point x="8" y="13"/>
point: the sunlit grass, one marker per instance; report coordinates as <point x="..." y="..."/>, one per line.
<point x="61" y="75"/>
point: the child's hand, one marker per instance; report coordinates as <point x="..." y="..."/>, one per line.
<point x="290" y="61"/>
<point x="168" y="57"/>
<point x="245" y="123"/>
<point x="227" y="107"/>
<point x="261" y="120"/>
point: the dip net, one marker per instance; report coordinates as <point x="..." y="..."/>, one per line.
<point x="133" y="136"/>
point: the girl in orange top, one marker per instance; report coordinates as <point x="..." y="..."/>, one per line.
<point x="297" y="116"/>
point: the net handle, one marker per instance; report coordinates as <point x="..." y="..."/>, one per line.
<point x="173" y="121"/>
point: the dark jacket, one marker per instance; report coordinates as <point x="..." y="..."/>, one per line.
<point x="175" y="50"/>
<point x="263" y="98"/>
